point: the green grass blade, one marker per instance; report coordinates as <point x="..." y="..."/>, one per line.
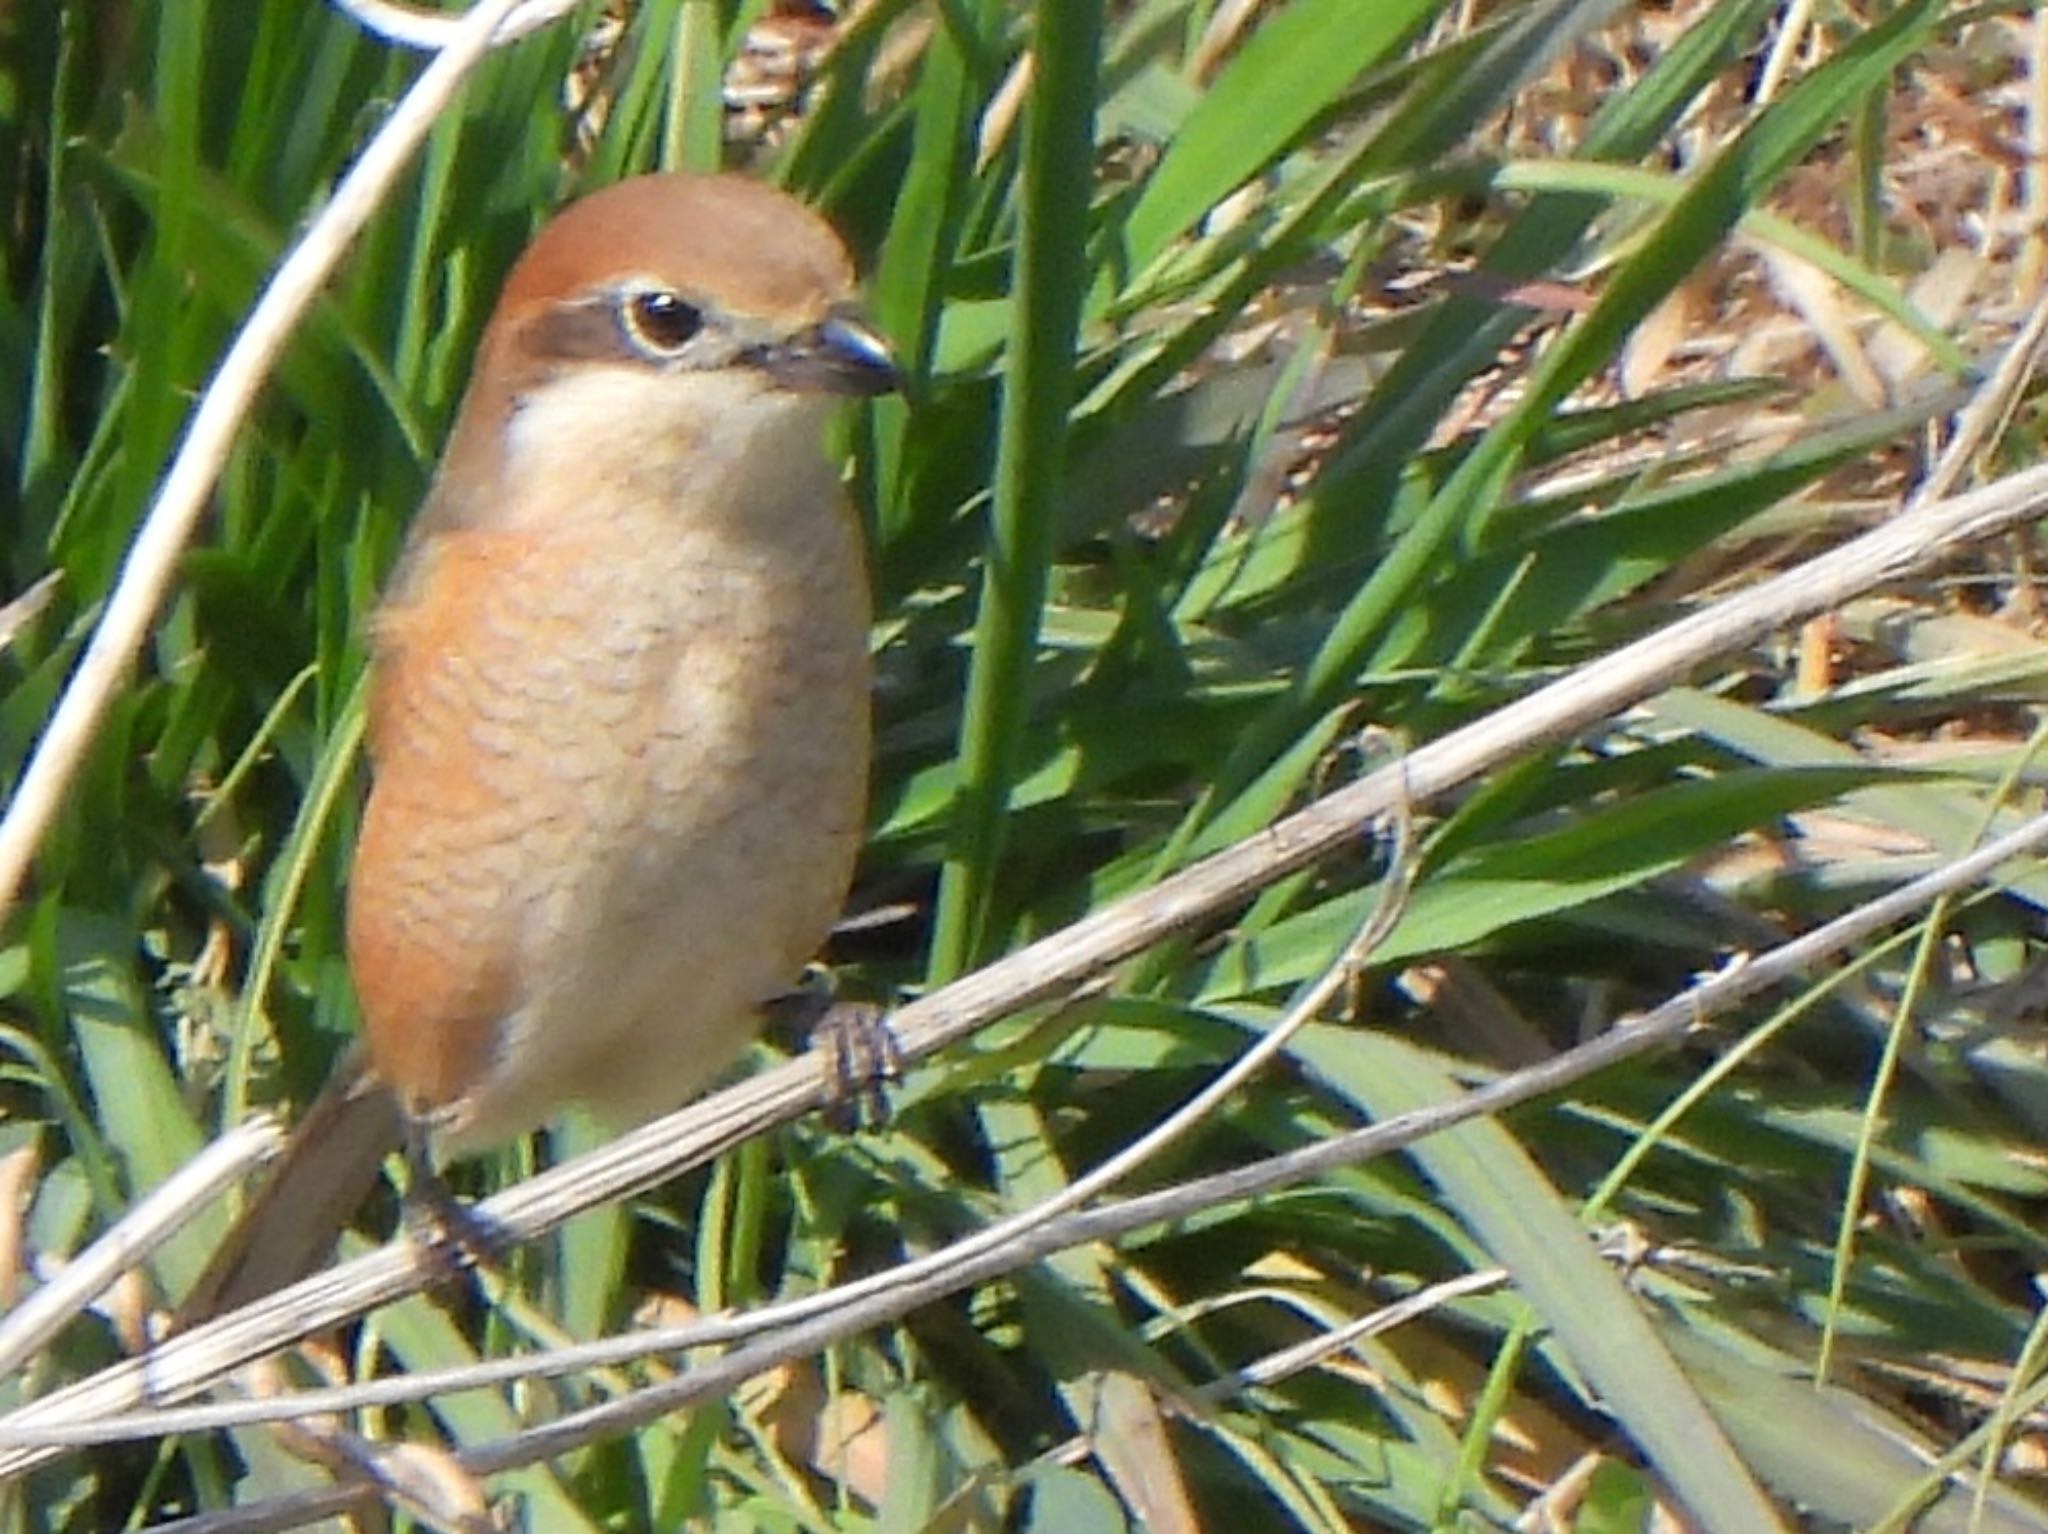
<point x="1059" y="141"/>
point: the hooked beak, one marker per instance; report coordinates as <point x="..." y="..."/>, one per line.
<point x="842" y="354"/>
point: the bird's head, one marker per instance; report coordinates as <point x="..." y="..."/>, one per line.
<point x="671" y="315"/>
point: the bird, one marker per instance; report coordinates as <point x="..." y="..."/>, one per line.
<point x="618" y="721"/>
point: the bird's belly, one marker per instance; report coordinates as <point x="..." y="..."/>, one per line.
<point x="692" y="861"/>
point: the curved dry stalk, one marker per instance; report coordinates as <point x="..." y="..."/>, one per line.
<point x="152" y="560"/>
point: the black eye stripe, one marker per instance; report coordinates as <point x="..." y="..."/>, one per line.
<point x="660" y="320"/>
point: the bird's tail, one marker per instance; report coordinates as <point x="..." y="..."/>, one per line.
<point x="291" y="1226"/>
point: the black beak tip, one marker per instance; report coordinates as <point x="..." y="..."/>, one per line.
<point x="855" y="358"/>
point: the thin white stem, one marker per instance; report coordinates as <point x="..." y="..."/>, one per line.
<point x="152" y="561"/>
<point x="431" y="31"/>
<point x="1792" y="30"/>
<point x="1989" y="408"/>
<point x="166" y="1211"/>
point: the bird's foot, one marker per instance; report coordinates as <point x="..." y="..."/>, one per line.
<point x="449" y="1231"/>
<point x="862" y="1060"/>
<point x="861" y="1055"/>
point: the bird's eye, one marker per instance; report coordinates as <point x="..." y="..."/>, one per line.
<point x="661" y="321"/>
